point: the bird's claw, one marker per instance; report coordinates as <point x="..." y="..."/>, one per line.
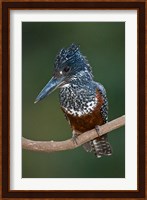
<point x="97" y="129"/>
<point x="74" y="138"/>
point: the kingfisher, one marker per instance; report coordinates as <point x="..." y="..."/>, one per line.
<point x="83" y="101"/>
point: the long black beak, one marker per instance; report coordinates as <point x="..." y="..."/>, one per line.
<point x="50" y="87"/>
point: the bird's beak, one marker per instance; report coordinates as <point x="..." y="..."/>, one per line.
<point x="50" y="87"/>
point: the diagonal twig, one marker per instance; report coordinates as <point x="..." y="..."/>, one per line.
<point x="52" y="146"/>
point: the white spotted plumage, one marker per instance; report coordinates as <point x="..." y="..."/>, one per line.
<point x="87" y="109"/>
<point x="77" y="101"/>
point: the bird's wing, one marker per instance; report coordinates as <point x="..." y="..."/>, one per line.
<point x="104" y="107"/>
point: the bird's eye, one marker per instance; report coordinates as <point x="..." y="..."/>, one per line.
<point x="66" y="69"/>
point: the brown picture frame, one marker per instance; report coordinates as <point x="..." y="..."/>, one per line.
<point x="5" y="104"/>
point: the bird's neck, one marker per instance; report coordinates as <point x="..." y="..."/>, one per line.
<point x="78" y="97"/>
<point x="81" y="79"/>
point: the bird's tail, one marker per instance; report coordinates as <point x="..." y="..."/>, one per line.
<point x="100" y="146"/>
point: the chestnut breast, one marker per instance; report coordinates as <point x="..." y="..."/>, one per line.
<point x="89" y="120"/>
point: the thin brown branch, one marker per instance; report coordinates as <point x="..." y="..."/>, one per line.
<point x="52" y="146"/>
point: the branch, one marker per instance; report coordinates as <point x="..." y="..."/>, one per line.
<point x="52" y="146"/>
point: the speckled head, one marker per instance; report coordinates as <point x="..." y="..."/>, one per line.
<point x="69" y="64"/>
<point x="70" y="61"/>
<point x="72" y="53"/>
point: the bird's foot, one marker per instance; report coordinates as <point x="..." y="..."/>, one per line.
<point x="97" y="130"/>
<point x="74" y="137"/>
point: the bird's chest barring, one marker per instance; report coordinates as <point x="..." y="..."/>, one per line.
<point x="77" y="104"/>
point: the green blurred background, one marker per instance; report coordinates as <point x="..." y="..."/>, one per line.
<point x="104" y="45"/>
